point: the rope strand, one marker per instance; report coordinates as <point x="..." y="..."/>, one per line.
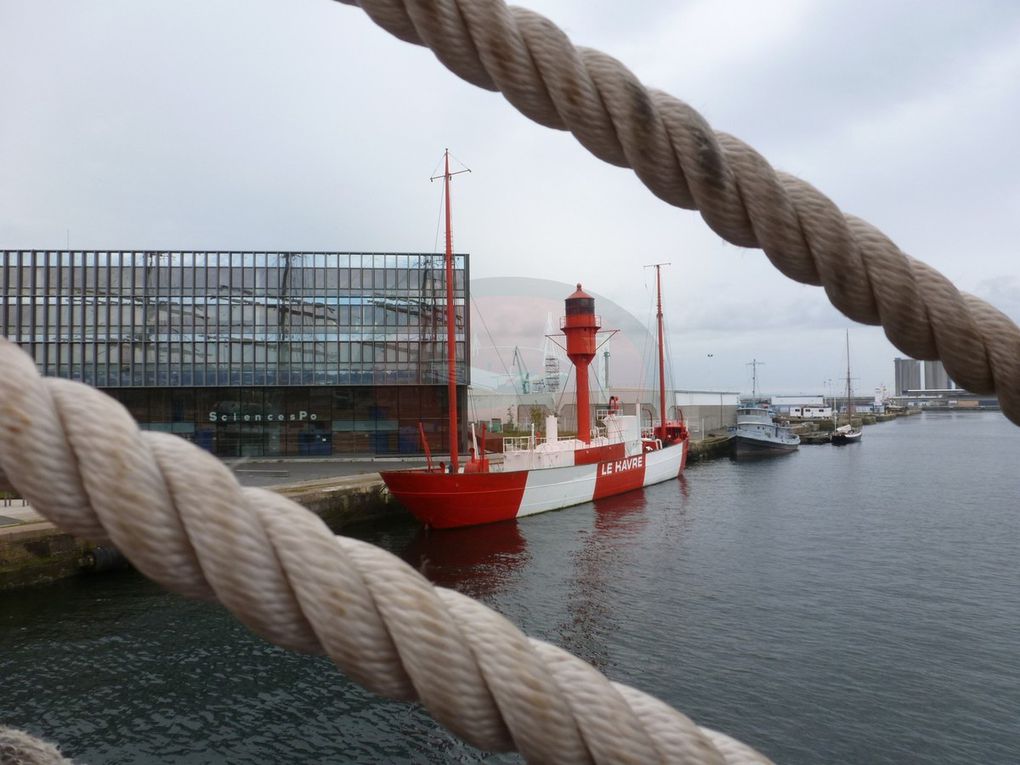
<point x="678" y="156"/>
<point x="182" y="519"/>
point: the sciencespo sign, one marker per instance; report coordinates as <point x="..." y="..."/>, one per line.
<point x="263" y="417"/>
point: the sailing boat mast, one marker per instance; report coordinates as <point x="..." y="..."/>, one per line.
<point x="451" y="315"/>
<point x="849" y="400"/>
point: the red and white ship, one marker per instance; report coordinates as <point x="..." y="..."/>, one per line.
<point x="547" y="472"/>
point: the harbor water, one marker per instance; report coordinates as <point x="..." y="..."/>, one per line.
<point x="839" y="604"/>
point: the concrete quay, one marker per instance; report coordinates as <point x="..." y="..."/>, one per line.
<point x="709" y="448"/>
<point x="34" y="551"/>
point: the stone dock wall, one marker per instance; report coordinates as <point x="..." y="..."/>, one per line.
<point x="33" y="551"/>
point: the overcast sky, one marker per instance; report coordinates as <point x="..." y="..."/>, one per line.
<point x="265" y="124"/>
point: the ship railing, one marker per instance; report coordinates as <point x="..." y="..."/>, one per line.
<point x="525" y="443"/>
<point x="559" y="438"/>
<point x="595" y="432"/>
<point x="516" y="444"/>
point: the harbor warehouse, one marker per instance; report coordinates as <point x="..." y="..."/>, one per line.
<point x="250" y="354"/>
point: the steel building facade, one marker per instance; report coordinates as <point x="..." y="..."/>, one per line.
<point x="908" y="375"/>
<point x="935" y="376"/>
<point x="249" y="353"/>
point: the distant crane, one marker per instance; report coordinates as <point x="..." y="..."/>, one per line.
<point x="552" y="364"/>
<point x="522" y="370"/>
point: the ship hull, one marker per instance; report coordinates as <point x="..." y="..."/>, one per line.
<point x="841" y="439"/>
<point x="442" y="500"/>
<point x="746" y="446"/>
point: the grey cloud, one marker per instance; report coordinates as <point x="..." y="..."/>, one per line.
<point x="266" y="124"/>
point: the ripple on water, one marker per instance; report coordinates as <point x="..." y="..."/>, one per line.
<point x="838" y="605"/>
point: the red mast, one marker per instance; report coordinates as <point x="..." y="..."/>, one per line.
<point x="451" y="316"/>
<point x="662" y="352"/>
<point x="581" y="326"/>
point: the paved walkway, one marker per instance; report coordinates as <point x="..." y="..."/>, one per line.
<point x="280" y="472"/>
<point x="17" y="517"/>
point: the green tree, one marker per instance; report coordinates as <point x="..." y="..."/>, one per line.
<point x="537" y="415"/>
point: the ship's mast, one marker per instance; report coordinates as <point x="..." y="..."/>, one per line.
<point x="662" y="351"/>
<point x="754" y="364"/>
<point x="451" y="315"/>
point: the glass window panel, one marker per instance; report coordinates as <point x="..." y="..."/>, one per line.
<point x="136" y="401"/>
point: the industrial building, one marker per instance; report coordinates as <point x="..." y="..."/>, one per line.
<point x="803" y="407"/>
<point x="250" y="354"/>
<point x="935" y="376"/>
<point x="908" y="375"/>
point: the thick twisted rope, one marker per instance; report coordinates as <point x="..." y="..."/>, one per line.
<point x="20" y="748"/>
<point x="678" y="156"/>
<point x="181" y="518"/>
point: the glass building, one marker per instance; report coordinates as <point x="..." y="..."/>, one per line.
<point x="250" y="353"/>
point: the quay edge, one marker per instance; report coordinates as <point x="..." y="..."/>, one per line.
<point x="710" y="448"/>
<point x="33" y="551"/>
<point x="38" y="553"/>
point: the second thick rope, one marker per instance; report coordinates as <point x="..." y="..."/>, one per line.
<point x="678" y="156"/>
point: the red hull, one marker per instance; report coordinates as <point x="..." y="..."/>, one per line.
<point x="441" y="500"/>
<point x="445" y="500"/>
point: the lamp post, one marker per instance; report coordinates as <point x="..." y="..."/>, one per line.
<point x="714" y="382"/>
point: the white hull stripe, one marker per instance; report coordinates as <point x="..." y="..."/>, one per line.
<point x="554" y="488"/>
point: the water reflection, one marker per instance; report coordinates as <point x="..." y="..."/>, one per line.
<point x="599" y="566"/>
<point x="476" y="560"/>
<point x="620" y="516"/>
<point x="674" y="527"/>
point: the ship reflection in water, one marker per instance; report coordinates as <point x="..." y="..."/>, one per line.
<point x="608" y="540"/>
<point x="611" y="544"/>
<point x="475" y="560"/>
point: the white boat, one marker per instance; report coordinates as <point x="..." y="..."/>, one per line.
<point x="757" y="434"/>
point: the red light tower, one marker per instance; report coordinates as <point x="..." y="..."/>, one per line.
<point x="580" y="325"/>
